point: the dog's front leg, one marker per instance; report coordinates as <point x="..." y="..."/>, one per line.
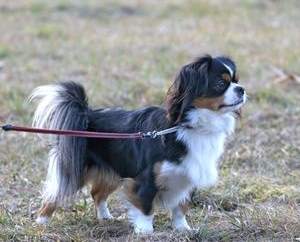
<point x="178" y="217"/>
<point x="140" y="193"/>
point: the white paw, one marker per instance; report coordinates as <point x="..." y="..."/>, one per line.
<point x="104" y="216"/>
<point x="42" y="220"/>
<point x="181" y="225"/>
<point x="141" y="223"/>
<point x="103" y="212"/>
<point x="143" y="229"/>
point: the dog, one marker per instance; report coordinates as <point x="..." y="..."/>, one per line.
<point x="202" y="102"/>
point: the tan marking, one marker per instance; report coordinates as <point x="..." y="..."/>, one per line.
<point x="237" y="78"/>
<point x="209" y="103"/>
<point x="104" y="182"/>
<point x="226" y="77"/>
<point x="47" y="210"/>
<point x="129" y="189"/>
<point x="184" y="207"/>
<point x="170" y="100"/>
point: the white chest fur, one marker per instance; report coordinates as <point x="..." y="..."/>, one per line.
<point x="199" y="168"/>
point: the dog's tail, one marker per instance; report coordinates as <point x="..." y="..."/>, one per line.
<point x="63" y="106"/>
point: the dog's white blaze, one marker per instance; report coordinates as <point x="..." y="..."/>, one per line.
<point x="228" y="68"/>
<point x="198" y="169"/>
<point x="51" y="187"/>
<point x="142" y="223"/>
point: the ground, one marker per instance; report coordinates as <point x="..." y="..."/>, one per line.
<point x="126" y="53"/>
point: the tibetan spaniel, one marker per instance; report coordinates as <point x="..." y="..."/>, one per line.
<point x="203" y="102"/>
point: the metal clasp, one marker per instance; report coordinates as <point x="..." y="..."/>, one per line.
<point x="150" y="134"/>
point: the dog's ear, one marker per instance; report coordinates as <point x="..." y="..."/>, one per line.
<point x="191" y="82"/>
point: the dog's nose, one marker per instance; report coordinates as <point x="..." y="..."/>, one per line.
<point x="240" y="91"/>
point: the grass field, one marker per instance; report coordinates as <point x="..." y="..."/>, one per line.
<point x="126" y="53"/>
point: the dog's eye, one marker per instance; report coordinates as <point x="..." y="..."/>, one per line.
<point x="220" y="85"/>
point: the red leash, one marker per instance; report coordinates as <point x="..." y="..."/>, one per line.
<point x="77" y="133"/>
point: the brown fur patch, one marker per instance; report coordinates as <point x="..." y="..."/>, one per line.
<point x="236" y="78"/>
<point x="103" y="183"/>
<point x="184" y="207"/>
<point x="172" y="100"/>
<point x="47" y="210"/>
<point x="209" y="103"/>
<point x="130" y="191"/>
<point x="226" y="77"/>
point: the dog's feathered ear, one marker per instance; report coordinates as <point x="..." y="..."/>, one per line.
<point x="191" y="82"/>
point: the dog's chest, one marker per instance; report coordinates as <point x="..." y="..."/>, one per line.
<point x="205" y="145"/>
<point x="199" y="165"/>
<point x="198" y="168"/>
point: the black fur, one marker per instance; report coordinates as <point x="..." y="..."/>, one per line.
<point x="130" y="157"/>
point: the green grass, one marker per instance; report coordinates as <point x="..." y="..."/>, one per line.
<point x="126" y="53"/>
<point x="37" y="7"/>
<point x="4" y="51"/>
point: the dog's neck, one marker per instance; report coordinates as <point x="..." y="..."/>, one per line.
<point x="207" y="121"/>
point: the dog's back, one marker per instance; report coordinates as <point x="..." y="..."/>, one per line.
<point x="129" y="157"/>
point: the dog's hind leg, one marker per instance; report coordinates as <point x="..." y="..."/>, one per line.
<point x="51" y="190"/>
<point x="103" y="184"/>
<point x="45" y="212"/>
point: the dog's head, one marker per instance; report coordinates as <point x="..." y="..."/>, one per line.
<point x="207" y="83"/>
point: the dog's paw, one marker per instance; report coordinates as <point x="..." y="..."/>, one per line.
<point x="42" y="220"/>
<point x="104" y="214"/>
<point x="141" y="223"/>
<point x="181" y="225"/>
<point x="103" y="211"/>
<point x="107" y="216"/>
<point x="138" y="229"/>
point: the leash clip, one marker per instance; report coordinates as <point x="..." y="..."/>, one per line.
<point x="150" y="134"/>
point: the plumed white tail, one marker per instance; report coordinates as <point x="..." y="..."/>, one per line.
<point x="62" y="106"/>
<point x="50" y="98"/>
